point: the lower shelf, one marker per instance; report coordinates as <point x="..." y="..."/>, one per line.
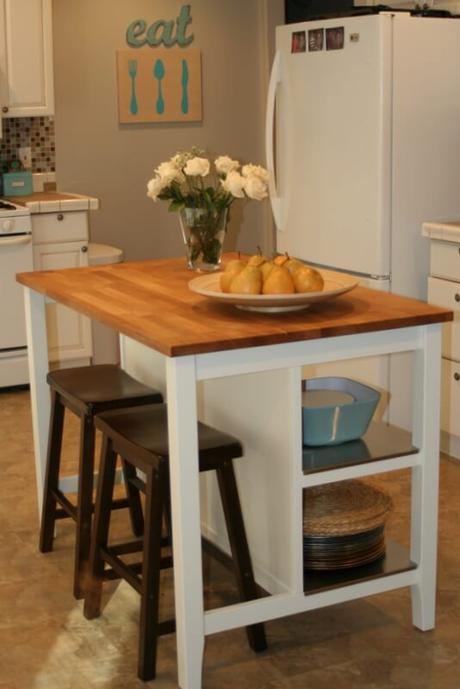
<point x="396" y="560"/>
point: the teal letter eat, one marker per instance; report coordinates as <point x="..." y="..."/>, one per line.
<point x="183" y="20"/>
<point x="133" y="32"/>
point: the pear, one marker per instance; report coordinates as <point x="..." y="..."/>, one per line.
<point x="266" y="269"/>
<point x="308" y="280"/>
<point x="247" y="281"/>
<point x="279" y="281"/>
<point x="281" y="259"/>
<point x="257" y="259"/>
<point x="293" y="265"/>
<point x="231" y="270"/>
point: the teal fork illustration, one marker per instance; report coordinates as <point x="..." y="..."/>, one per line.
<point x="132" y="70"/>
<point x="159" y="73"/>
<point x="184" y="83"/>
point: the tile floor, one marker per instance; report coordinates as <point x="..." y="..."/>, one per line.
<point x="45" y="642"/>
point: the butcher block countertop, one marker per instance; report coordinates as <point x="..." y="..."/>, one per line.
<point x="56" y="202"/>
<point x="150" y="301"/>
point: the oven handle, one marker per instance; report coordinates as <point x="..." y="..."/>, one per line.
<point x="23" y="239"/>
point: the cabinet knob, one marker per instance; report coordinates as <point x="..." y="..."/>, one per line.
<point x="84" y="249"/>
<point x="5" y="108"/>
<point x="457" y="297"/>
<point x="60" y="216"/>
<point x="456" y="376"/>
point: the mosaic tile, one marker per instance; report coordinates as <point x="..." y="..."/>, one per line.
<point x="36" y="132"/>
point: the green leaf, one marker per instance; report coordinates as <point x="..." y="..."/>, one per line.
<point x="176" y="206"/>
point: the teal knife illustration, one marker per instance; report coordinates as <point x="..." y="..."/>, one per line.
<point x="184" y="82"/>
<point x="132" y="70"/>
<point x="159" y="73"/>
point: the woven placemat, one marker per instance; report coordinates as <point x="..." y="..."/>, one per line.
<point x="345" y="507"/>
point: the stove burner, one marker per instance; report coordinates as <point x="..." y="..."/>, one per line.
<point x="7" y="206"/>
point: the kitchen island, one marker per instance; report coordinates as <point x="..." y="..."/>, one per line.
<point x="249" y="366"/>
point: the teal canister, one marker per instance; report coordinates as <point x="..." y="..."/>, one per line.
<point x="17" y="183"/>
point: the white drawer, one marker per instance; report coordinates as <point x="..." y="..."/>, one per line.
<point x="60" y="227"/>
<point x="450" y="397"/>
<point x="445" y="260"/>
<point x="447" y="294"/>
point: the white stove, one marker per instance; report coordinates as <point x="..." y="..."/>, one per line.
<point x="15" y="257"/>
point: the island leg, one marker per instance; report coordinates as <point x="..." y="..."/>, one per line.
<point x="185" y="503"/>
<point x="37" y="347"/>
<point x="425" y="477"/>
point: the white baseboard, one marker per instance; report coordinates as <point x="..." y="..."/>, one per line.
<point x="450" y="445"/>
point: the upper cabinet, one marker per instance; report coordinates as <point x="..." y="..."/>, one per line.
<point x="26" y="58"/>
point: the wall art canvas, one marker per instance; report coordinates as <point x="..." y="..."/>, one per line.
<point x="159" y="85"/>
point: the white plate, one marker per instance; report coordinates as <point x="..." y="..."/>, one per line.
<point x="334" y="284"/>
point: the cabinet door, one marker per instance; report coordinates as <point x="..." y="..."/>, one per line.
<point x="26" y="58"/>
<point x="450" y="397"/>
<point x="447" y="294"/>
<point x="69" y="333"/>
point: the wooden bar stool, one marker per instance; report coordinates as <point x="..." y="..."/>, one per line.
<point x="86" y="391"/>
<point x="140" y="436"/>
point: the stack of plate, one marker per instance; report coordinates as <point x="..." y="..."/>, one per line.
<point x="343" y="525"/>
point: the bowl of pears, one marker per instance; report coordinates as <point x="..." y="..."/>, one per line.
<point x="276" y="285"/>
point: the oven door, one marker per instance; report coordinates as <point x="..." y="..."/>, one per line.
<point x="15" y="257"/>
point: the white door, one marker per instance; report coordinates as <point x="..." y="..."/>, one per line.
<point x="333" y="144"/>
<point x="69" y="333"/>
<point x="15" y="257"/>
<point x="26" y="58"/>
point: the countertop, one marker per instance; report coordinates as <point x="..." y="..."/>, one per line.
<point x="55" y="201"/>
<point x="448" y="231"/>
<point x="150" y="301"/>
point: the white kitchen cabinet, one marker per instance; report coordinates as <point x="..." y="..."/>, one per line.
<point x="61" y="241"/>
<point x="26" y="58"/>
<point x="444" y="290"/>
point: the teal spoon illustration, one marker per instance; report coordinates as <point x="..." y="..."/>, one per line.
<point x="132" y="70"/>
<point x="184" y="82"/>
<point x="158" y="73"/>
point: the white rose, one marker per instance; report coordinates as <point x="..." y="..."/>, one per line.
<point x="154" y="187"/>
<point x="197" y="167"/>
<point x="169" y="172"/>
<point x="224" y="165"/>
<point x="255" y="171"/>
<point x="255" y="187"/>
<point x="234" y="184"/>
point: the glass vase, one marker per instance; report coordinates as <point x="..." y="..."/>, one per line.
<point x="203" y="232"/>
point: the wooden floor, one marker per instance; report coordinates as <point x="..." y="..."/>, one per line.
<point x="45" y="642"/>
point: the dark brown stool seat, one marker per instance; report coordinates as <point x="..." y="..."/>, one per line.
<point x="140" y="436"/>
<point x="86" y="391"/>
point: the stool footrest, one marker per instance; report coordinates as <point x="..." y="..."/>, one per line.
<point x="166" y="627"/>
<point x="134" y="546"/>
<point x="120" y="503"/>
<point x="130" y="572"/>
<point x="137" y="483"/>
<point x="68" y="509"/>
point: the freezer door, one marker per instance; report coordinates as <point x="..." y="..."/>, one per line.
<point x="331" y="190"/>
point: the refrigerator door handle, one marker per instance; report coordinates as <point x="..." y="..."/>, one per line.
<point x="275" y="79"/>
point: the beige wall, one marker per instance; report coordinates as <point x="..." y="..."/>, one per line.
<point x="98" y="156"/>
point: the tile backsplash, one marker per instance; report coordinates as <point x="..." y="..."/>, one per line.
<point x="36" y="132"/>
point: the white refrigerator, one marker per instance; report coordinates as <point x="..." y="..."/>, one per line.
<point x="363" y="143"/>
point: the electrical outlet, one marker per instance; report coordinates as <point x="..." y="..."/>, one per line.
<point x="25" y="156"/>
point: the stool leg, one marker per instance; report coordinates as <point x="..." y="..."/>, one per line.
<point x="84" y="504"/>
<point x="156" y="490"/>
<point x="134" y="498"/>
<point x="239" y="547"/>
<point x="100" y="536"/>
<point x="52" y="473"/>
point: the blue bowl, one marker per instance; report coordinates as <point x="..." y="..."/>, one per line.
<point x="336" y="410"/>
